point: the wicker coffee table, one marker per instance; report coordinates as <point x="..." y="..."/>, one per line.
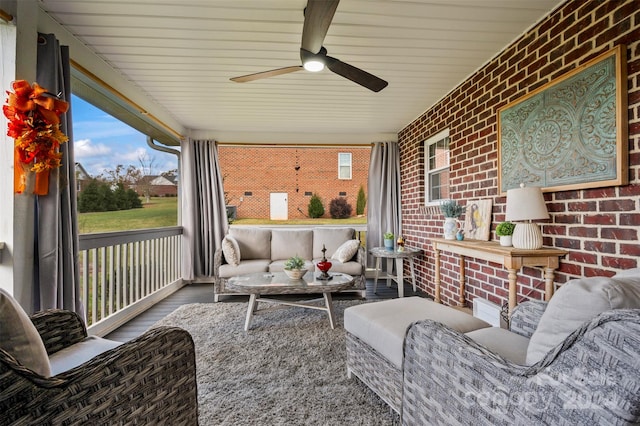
<point x="278" y="283"/>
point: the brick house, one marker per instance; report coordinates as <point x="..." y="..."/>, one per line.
<point x="270" y="181"/>
<point x="599" y="227"/>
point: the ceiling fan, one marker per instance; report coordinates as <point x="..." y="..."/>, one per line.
<point x="317" y="18"/>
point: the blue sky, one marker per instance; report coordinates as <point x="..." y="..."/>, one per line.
<point x="101" y="142"/>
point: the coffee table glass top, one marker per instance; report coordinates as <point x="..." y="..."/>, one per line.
<point x="279" y="282"/>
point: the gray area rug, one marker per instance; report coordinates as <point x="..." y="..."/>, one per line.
<point x="289" y="368"/>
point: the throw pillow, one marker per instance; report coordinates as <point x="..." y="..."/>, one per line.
<point x="19" y="337"/>
<point x="577" y="302"/>
<point x="346" y="251"/>
<point x="231" y="250"/>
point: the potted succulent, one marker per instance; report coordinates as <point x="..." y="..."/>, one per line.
<point x="294" y="267"/>
<point x="388" y="240"/>
<point x="504" y="230"/>
<point x="451" y="211"/>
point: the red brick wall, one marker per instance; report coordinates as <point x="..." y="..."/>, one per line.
<point x="598" y="226"/>
<point x="263" y="170"/>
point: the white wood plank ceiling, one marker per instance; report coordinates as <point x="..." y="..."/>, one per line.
<point x="183" y="53"/>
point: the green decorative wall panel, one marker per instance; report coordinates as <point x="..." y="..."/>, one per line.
<point x="567" y="134"/>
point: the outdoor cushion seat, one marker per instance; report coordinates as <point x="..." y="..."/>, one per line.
<point x="375" y="336"/>
<point x="245" y="267"/>
<point x="383" y="325"/>
<point x="248" y="250"/>
<point x="76" y="379"/>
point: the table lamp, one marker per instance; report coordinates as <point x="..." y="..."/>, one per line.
<point x="526" y="204"/>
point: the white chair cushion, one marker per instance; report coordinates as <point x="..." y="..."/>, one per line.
<point x="346" y="251"/>
<point x="231" y="250"/>
<point x="254" y="243"/>
<point x="383" y="325"/>
<point x="245" y="267"/>
<point x="20" y="338"/>
<point x="510" y="346"/>
<point x="289" y="243"/>
<point x="79" y="353"/>
<point x="577" y="302"/>
<point x="331" y="238"/>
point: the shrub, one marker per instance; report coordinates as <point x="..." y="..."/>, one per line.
<point x="361" y="201"/>
<point x="315" y="208"/>
<point x="339" y="208"/>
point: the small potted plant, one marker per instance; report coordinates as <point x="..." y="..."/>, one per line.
<point x="294" y="267"/>
<point x="388" y="240"/>
<point x="504" y="230"/>
<point x="451" y="211"/>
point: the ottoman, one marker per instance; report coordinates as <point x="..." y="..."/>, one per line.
<point x="375" y="335"/>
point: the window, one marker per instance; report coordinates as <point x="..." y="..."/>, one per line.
<point x="436" y="165"/>
<point x="344" y="165"/>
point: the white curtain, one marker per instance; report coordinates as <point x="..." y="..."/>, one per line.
<point x="47" y="240"/>
<point x="383" y="211"/>
<point x="204" y="215"/>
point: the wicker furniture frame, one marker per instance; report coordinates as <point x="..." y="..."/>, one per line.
<point x="386" y="380"/>
<point x="148" y="380"/>
<point x="590" y="378"/>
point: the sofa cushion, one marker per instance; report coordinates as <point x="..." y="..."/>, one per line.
<point x="289" y="243"/>
<point x="352" y="268"/>
<point x="575" y="303"/>
<point x="331" y="238"/>
<point x="244" y="267"/>
<point x="20" y="338"/>
<point x="231" y="250"/>
<point x="79" y="353"/>
<point x="510" y="346"/>
<point x="381" y="326"/>
<point x="254" y="243"/>
<point x="346" y="251"/>
<point x="278" y="265"/>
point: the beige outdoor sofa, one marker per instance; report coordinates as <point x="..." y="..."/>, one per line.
<point x="248" y="250"/>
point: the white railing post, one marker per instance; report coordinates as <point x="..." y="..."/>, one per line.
<point x="121" y="272"/>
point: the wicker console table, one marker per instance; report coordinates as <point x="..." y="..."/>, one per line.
<point x="509" y="257"/>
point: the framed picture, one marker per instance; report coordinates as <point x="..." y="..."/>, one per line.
<point x="570" y="133"/>
<point x="477" y="219"/>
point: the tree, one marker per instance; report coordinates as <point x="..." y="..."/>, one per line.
<point x="339" y="208"/>
<point x="315" y="208"/>
<point x="147" y="164"/>
<point x="361" y="202"/>
<point x="120" y="175"/>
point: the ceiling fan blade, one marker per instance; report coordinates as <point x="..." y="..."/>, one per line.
<point x="266" y="74"/>
<point x="356" y="75"/>
<point x="317" y="17"/>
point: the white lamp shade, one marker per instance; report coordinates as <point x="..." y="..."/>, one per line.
<point x="526" y="203"/>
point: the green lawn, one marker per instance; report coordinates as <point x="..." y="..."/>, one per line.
<point x="160" y="212"/>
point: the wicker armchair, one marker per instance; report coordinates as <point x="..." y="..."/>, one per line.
<point x="591" y="378"/>
<point x="148" y="380"/>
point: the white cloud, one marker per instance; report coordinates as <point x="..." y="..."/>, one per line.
<point x="84" y="148"/>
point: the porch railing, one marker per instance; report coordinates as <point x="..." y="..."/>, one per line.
<point x="123" y="273"/>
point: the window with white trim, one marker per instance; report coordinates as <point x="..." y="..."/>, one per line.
<point x="436" y="166"/>
<point x="344" y="165"/>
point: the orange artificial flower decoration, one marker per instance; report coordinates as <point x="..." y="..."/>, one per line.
<point x="34" y="123"/>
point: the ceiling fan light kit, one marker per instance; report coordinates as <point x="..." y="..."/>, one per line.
<point x="317" y="17"/>
<point x="313" y="65"/>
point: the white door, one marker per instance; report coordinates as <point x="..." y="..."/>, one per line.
<point x="279" y="206"/>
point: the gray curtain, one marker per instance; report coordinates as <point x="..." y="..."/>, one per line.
<point x="53" y="251"/>
<point x="383" y="211"/>
<point x="204" y="214"/>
